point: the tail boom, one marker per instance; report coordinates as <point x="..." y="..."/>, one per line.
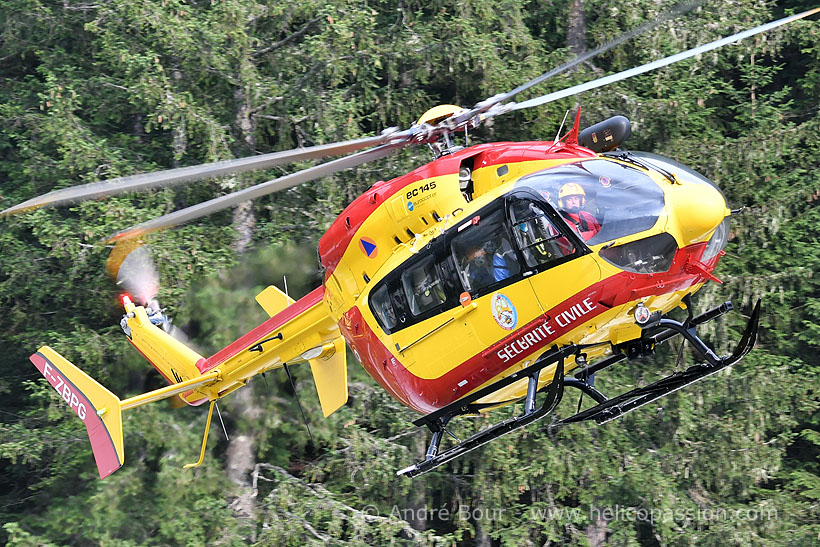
<point x="301" y="332"/>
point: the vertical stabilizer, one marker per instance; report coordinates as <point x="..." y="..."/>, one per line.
<point x="330" y="376"/>
<point x="98" y="408"/>
<point x="273" y="300"/>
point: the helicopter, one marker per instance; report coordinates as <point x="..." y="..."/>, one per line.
<point x="479" y="280"/>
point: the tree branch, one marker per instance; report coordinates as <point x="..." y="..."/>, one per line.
<point x="322" y="493"/>
<point x="298" y="34"/>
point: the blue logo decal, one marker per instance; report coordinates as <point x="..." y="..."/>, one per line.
<point x="369" y="247"/>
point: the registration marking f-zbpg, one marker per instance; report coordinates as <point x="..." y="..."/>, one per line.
<point x="65" y="392"/>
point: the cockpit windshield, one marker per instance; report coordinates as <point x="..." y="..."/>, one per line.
<point x="602" y="200"/>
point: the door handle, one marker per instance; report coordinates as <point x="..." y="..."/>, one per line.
<point x="465" y="310"/>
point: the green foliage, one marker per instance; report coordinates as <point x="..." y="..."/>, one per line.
<point x="91" y="91"/>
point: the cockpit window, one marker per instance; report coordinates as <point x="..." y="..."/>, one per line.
<point x="600" y="199"/>
<point x="383" y="308"/>
<point x="672" y="166"/>
<point x="423" y="287"/>
<point x="483" y="253"/>
<point x="539" y="240"/>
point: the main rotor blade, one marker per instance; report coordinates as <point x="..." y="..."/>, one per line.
<point x="223" y="202"/>
<point x="135" y="183"/>
<point x="606" y="80"/>
<point x="487" y="104"/>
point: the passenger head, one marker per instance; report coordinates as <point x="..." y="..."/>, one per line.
<point x="477" y="256"/>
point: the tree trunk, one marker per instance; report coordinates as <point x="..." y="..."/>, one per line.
<point x="240" y="461"/>
<point x="577" y="28"/>
<point x="244" y="219"/>
<point x="241" y="457"/>
<point x="596" y="531"/>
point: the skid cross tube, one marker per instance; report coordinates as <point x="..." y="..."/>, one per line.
<point x="691" y="322"/>
<point x="609" y="409"/>
<point x="659" y="337"/>
<point x="532" y="387"/>
<point x="466" y="405"/>
<point x="555" y="392"/>
<point x="587" y="388"/>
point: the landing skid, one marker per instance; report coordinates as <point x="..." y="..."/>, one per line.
<point x="607" y="409"/>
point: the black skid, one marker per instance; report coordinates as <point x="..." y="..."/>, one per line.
<point x="607" y="408"/>
<point x="555" y="392"/>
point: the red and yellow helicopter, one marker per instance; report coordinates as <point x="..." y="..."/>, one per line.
<point x="476" y="281"/>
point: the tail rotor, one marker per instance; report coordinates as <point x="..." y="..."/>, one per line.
<point x="134" y="271"/>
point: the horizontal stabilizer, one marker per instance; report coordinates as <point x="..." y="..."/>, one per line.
<point x="98" y="408"/>
<point x="273" y="300"/>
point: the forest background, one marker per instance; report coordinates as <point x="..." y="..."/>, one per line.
<point x="96" y="90"/>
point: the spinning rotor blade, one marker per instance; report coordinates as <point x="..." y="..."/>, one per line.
<point x="145" y="181"/>
<point x="606" y="80"/>
<point x="488" y="104"/>
<point x="263" y="189"/>
<point x="182" y="175"/>
<point x="385" y="143"/>
<point x="137" y="275"/>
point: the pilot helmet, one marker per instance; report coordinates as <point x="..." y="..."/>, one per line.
<point x="572" y="189"/>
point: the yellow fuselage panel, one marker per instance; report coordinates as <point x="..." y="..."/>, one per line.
<point x="438" y="345"/>
<point x="400" y="225"/>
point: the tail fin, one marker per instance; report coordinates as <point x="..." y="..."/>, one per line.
<point x="328" y="364"/>
<point x="98" y="408"/>
<point x="273" y="300"/>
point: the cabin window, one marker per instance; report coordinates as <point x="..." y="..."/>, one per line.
<point x="483" y="252"/>
<point x="383" y="308"/>
<point x="538" y="239"/>
<point x="423" y="287"/>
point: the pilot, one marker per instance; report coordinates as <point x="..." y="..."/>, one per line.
<point x="572" y="198"/>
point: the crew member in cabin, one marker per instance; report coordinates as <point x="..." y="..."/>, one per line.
<point x="482" y="271"/>
<point x="572" y="199"/>
<point x="478" y="270"/>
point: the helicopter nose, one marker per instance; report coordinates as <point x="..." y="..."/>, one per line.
<point x="698" y="210"/>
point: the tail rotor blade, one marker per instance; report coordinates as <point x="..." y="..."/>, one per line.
<point x="137" y="275"/>
<point x="133" y="269"/>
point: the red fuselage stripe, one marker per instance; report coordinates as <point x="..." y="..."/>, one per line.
<point x="242" y="344"/>
<point x="427" y="395"/>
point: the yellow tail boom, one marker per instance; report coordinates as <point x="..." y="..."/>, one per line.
<point x="296" y="332"/>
